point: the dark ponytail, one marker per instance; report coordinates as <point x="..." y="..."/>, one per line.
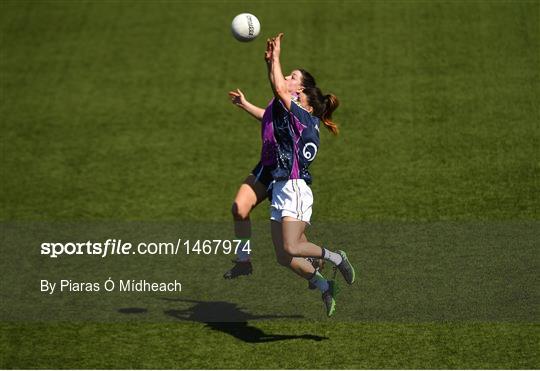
<point x="331" y="104"/>
<point x="323" y="106"/>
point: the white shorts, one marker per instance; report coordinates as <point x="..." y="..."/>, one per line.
<point x="292" y="198"/>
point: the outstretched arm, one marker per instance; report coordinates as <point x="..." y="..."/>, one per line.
<point x="238" y="99"/>
<point x="275" y="74"/>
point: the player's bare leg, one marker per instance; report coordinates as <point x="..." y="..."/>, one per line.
<point x="300" y="266"/>
<point x="303" y="267"/>
<point x="294" y="245"/>
<point x="249" y="195"/>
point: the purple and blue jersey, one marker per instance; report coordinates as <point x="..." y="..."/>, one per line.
<point x="269" y="144"/>
<point x="290" y="140"/>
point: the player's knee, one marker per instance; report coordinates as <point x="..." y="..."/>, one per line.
<point x="291" y="247"/>
<point x="239" y="211"/>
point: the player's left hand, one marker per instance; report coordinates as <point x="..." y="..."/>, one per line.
<point x="276" y="45"/>
<point x="238" y="98"/>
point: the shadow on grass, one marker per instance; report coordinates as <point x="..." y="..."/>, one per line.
<point x="230" y="319"/>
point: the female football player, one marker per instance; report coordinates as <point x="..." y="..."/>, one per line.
<point x="296" y="116"/>
<point x="255" y="187"/>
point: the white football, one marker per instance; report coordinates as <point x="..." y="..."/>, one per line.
<point x="245" y="27"/>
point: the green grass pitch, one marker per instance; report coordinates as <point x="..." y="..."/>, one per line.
<point x="117" y="112"/>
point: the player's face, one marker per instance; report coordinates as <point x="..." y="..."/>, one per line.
<point x="294" y="81"/>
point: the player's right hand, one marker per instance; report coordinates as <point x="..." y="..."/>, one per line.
<point x="268" y="52"/>
<point x="275" y="46"/>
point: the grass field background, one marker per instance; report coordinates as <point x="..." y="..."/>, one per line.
<point x="117" y="112"/>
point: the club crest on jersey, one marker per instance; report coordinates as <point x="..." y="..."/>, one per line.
<point x="309" y="151"/>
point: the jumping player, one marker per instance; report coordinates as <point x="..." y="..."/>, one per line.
<point x="255" y="187"/>
<point x="295" y="124"/>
